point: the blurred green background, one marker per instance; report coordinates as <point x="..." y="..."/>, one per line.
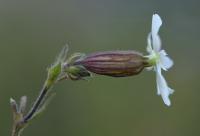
<point x="32" y="32"/>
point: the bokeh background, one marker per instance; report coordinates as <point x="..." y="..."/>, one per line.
<point x="32" y="32"/>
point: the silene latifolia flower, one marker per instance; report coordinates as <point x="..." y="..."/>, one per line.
<point x="125" y="63"/>
<point x="158" y="59"/>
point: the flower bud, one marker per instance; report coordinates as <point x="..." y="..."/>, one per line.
<point x="114" y="63"/>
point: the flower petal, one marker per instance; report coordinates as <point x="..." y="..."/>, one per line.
<point x="157" y="69"/>
<point x="156" y="24"/>
<point x="149" y="46"/>
<point x="163" y="88"/>
<point x="156" y="43"/>
<point x="165" y="61"/>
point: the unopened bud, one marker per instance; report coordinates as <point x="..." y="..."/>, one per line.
<point x="114" y="63"/>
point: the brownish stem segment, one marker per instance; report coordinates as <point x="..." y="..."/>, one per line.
<point x="16" y="130"/>
<point x="20" y="120"/>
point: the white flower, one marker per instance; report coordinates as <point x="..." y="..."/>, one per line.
<point x="158" y="59"/>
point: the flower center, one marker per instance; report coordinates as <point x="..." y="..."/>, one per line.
<point x="153" y="58"/>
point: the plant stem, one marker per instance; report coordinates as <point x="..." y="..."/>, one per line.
<point x="37" y="103"/>
<point x="21" y="121"/>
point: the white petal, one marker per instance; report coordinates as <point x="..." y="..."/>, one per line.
<point x="163" y="88"/>
<point x="156" y="24"/>
<point x="149" y="46"/>
<point x="165" y="61"/>
<point x="157" y="69"/>
<point x="156" y="42"/>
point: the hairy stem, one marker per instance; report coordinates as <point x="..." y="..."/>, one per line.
<point x="20" y="120"/>
<point x="36" y="104"/>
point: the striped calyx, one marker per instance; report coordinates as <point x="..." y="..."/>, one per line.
<point x="114" y="63"/>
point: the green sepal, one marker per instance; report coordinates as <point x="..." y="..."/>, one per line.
<point x="75" y="57"/>
<point x="53" y="73"/>
<point x="77" y="72"/>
